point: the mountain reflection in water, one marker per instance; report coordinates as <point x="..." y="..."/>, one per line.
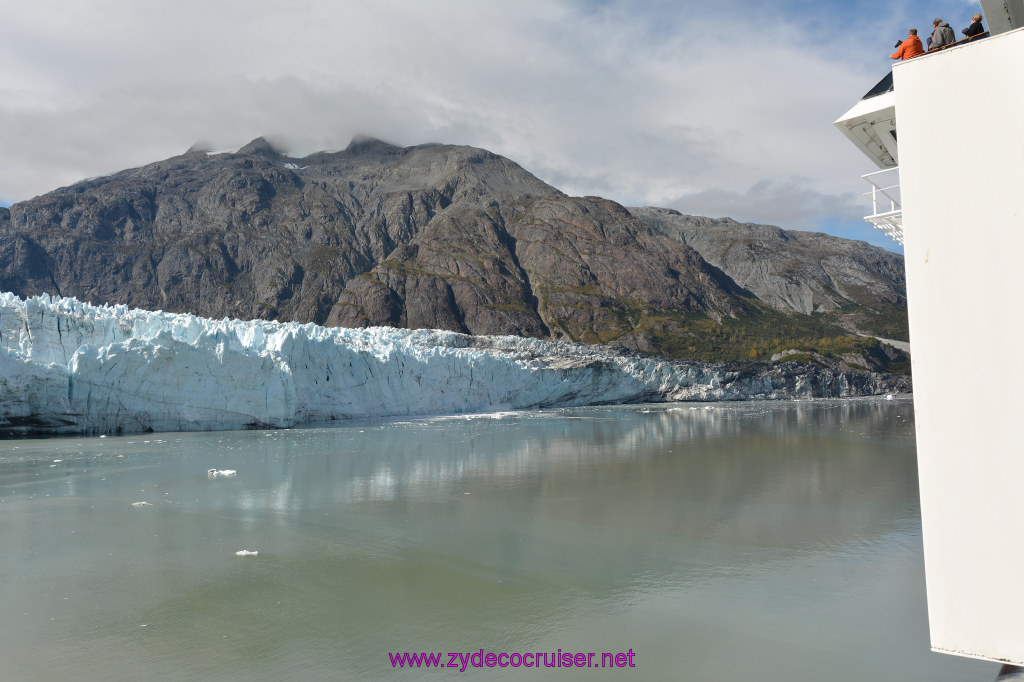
<point x="776" y="541"/>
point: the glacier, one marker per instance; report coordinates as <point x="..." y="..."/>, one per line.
<point x="73" y="367"/>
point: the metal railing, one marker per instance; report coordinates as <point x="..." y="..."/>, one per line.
<point x="886" y="207"/>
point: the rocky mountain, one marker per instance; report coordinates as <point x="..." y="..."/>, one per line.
<point x="446" y="237"/>
<point x="862" y="287"/>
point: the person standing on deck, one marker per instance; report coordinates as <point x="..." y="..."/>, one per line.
<point x="911" y="47"/>
<point x="975" y="28"/>
<point x="942" y="35"/>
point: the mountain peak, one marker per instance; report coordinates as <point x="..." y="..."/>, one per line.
<point x="364" y="144"/>
<point x="259" y="146"/>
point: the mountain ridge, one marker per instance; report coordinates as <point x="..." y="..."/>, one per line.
<point x="441" y="236"/>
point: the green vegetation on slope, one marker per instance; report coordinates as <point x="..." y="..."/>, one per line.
<point x="764" y="332"/>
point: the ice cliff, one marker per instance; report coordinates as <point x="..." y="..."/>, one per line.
<point x="71" y="367"/>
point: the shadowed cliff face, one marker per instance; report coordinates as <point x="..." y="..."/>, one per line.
<point x="433" y="236"/>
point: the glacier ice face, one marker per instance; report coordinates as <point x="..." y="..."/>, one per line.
<point x="71" y="367"/>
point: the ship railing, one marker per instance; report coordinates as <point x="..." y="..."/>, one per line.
<point x="886" y="206"/>
<point x="986" y="34"/>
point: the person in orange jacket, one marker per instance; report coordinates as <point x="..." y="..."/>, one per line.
<point x="911" y="47"/>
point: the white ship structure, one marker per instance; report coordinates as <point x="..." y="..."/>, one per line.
<point x="951" y="124"/>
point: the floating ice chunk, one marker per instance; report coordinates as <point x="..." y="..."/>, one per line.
<point x="141" y="504"/>
<point x="214" y="473"/>
<point x="246" y="552"/>
<point x="888" y="396"/>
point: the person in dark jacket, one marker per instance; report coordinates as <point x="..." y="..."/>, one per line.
<point x="942" y="35"/>
<point x="975" y="28"/>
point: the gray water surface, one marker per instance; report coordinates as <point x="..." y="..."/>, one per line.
<point x="767" y="541"/>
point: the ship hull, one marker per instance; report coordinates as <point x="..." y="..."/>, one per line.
<point x="960" y="116"/>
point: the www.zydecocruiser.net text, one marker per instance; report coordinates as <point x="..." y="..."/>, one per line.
<point x="462" y="660"/>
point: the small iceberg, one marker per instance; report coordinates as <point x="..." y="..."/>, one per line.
<point x="141" y="504"/>
<point x="214" y="473"/>
<point x="246" y="552"/>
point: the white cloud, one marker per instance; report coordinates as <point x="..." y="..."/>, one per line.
<point x="635" y="102"/>
<point x="791" y="200"/>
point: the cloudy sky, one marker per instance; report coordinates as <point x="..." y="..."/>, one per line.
<point x="717" y="109"/>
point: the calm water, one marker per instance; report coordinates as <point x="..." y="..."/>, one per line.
<point x="768" y="541"/>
